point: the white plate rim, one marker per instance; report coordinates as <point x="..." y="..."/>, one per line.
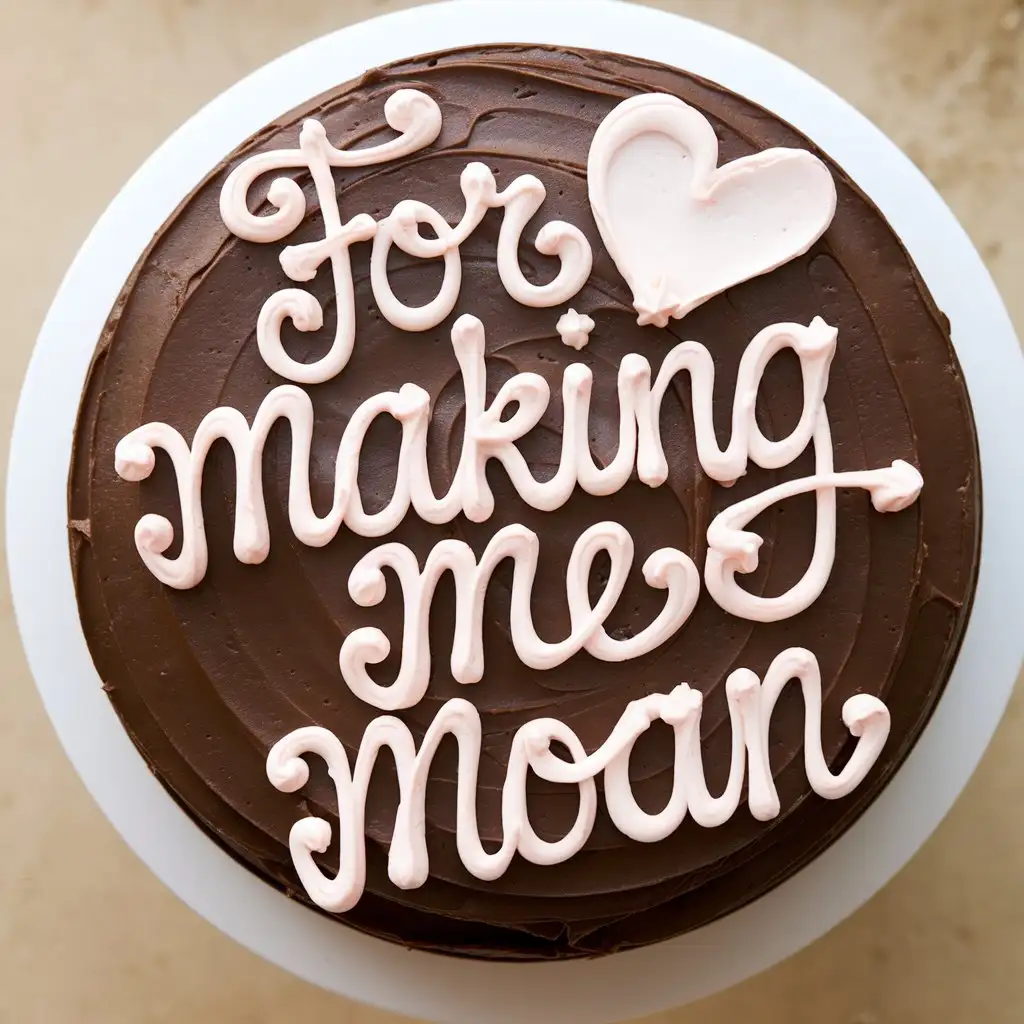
<point x="422" y="984"/>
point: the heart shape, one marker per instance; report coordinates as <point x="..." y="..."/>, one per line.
<point x="682" y="229"/>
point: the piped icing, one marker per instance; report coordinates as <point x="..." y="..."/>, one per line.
<point x="574" y="329"/>
<point x="594" y="554"/>
<point x="681" y="228"/>
<point x="750" y="709"/>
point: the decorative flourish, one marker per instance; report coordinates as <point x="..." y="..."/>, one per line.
<point x="413" y="114"/>
<point x="574" y="329"/>
<point x="681" y="229"/>
<point x="732" y="549"/>
<point x="751" y="704"/>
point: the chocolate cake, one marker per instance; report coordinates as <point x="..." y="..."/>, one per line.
<point x="569" y="432"/>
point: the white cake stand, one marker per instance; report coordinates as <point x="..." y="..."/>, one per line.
<point x="422" y="984"/>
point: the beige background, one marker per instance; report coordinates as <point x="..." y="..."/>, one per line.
<point x="86" y="933"/>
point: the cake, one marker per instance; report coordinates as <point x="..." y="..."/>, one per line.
<point x="525" y="503"/>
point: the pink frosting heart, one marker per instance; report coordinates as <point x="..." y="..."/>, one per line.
<point x="682" y="229"/>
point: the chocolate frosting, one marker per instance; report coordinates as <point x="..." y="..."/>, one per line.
<point x="206" y="680"/>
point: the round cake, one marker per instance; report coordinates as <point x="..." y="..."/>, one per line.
<point x="525" y="503"/>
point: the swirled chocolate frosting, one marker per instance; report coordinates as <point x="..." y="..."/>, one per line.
<point x="207" y="680"/>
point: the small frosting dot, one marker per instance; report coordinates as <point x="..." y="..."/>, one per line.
<point x="574" y="329"/>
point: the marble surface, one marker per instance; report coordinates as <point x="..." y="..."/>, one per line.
<point x="86" y="933"/>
